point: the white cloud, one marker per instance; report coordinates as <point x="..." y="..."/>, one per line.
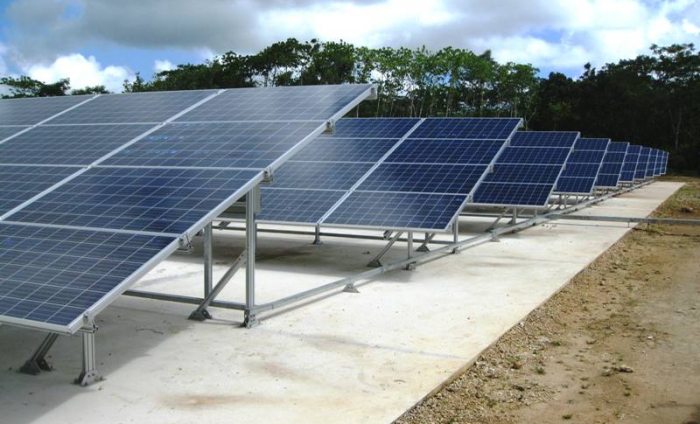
<point x="3" y="64"/>
<point x="163" y="65"/>
<point x="82" y="72"/>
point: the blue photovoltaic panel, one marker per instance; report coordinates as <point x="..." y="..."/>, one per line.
<point x="657" y="162"/>
<point x="582" y="167"/>
<point x="296" y="206"/>
<point x="472" y="128"/>
<point x="30" y="111"/>
<point x="665" y="163"/>
<point x="332" y="149"/>
<point x="67" y="145"/>
<point x="530" y="174"/>
<point x="640" y="172"/>
<point x="419" y="178"/>
<point x="139" y="199"/>
<point x="513" y="194"/>
<point x="313" y="102"/>
<point x="649" y="173"/>
<point x="362" y="128"/>
<point x="534" y="155"/>
<point x="320" y="175"/>
<point x="8" y="131"/>
<point x="544" y="139"/>
<point x="526" y="172"/>
<point x="629" y="166"/>
<point x="51" y="275"/>
<point x="420" y="150"/>
<point x="397" y="210"/>
<point x="20" y="183"/>
<point x="225" y="145"/>
<point x="154" y="106"/>
<point x="609" y="174"/>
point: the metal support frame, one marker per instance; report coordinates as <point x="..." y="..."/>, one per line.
<point x="250" y="319"/>
<point x="201" y="313"/>
<point x="89" y="373"/>
<point x="409" y="254"/>
<point x="514" y="219"/>
<point x="376" y="261"/>
<point x="424" y="246"/>
<point x="37" y="362"/>
<point x="317" y="235"/>
<point x="208" y="247"/>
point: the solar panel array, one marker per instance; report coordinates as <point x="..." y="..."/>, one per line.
<point x="610" y="171"/>
<point x="527" y="171"/>
<point x="629" y="166"/>
<point x="387" y="173"/>
<point x="582" y="167"/>
<point x="644" y="157"/>
<point x="95" y="190"/>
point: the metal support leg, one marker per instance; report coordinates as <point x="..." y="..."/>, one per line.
<point x="387" y="234"/>
<point x="89" y="374"/>
<point x="409" y="244"/>
<point x="37" y="363"/>
<point x="208" y="259"/>
<point x="424" y="247"/>
<point x="374" y="263"/>
<point x="250" y="319"/>
<point x="317" y="235"/>
<point x="201" y="313"/>
<point x="514" y="219"/>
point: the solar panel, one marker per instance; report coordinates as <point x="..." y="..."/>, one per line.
<point x="609" y="174"/>
<point x="343" y="149"/>
<point x="422" y="150"/>
<point x="67" y="145"/>
<point x="544" y="139"/>
<point x="657" y="163"/>
<point x="582" y="167"/>
<point x="222" y="145"/>
<point x="526" y="172"/>
<point x="397" y="210"/>
<point x="420" y="178"/>
<point x="640" y="172"/>
<point x="629" y="165"/>
<point x="20" y="183"/>
<point x="313" y="103"/>
<point x="467" y="128"/>
<point x="296" y="206"/>
<point x="31" y="111"/>
<point x="665" y="164"/>
<point x="363" y="128"/>
<point x="53" y="275"/>
<point x="153" y="106"/>
<point x="167" y="200"/>
<point x="320" y="175"/>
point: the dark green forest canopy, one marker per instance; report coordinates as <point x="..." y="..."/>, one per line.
<point x="650" y="100"/>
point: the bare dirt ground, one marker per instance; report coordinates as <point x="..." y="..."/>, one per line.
<point x="619" y="344"/>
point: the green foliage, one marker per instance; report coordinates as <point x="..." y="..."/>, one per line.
<point x="95" y="89"/>
<point x="649" y="100"/>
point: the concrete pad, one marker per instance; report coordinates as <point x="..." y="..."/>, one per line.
<point x="364" y="357"/>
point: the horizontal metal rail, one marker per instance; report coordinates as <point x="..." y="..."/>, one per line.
<point x="630" y="219"/>
<point x="192" y="300"/>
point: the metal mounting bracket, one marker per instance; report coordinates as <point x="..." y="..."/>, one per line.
<point x="89" y="373"/>
<point x="38" y="363"/>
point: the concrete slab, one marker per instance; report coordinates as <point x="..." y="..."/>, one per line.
<point x="363" y="357"/>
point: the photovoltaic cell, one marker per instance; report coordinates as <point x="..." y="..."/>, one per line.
<point x="154" y="106"/>
<point x="20" y="183"/>
<point x="53" y="276"/>
<point x="530" y="174"/>
<point x="611" y="169"/>
<point x="421" y="150"/>
<point x="137" y="199"/>
<point x="296" y="206"/>
<point x="397" y="210"/>
<point x="458" y="179"/>
<point x="582" y="167"/>
<point x="8" y="131"/>
<point x="30" y="111"/>
<point x="67" y="145"/>
<point x="315" y="103"/>
<point x="514" y="194"/>
<point x="342" y="149"/>
<point x="226" y="145"/>
<point x="362" y="128"/>
<point x="472" y="128"/>
<point x="534" y="155"/>
<point x="544" y="139"/>
<point x="640" y="172"/>
<point x="320" y="175"/>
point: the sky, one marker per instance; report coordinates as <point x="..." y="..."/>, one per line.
<point x="104" y="42"/>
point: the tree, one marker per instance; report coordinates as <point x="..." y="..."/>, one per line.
<point x="28" y="87"/>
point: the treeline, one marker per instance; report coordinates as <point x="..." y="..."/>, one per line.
<point x="650" y="100"/>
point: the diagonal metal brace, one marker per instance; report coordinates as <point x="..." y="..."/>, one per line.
<point x="37" y="363"/>
<point x="201" y="313"/>
<point x="424" y="246"/>
<point x="374" y="263"/>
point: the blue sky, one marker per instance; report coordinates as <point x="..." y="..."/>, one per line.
<point x="106" y="41"/>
